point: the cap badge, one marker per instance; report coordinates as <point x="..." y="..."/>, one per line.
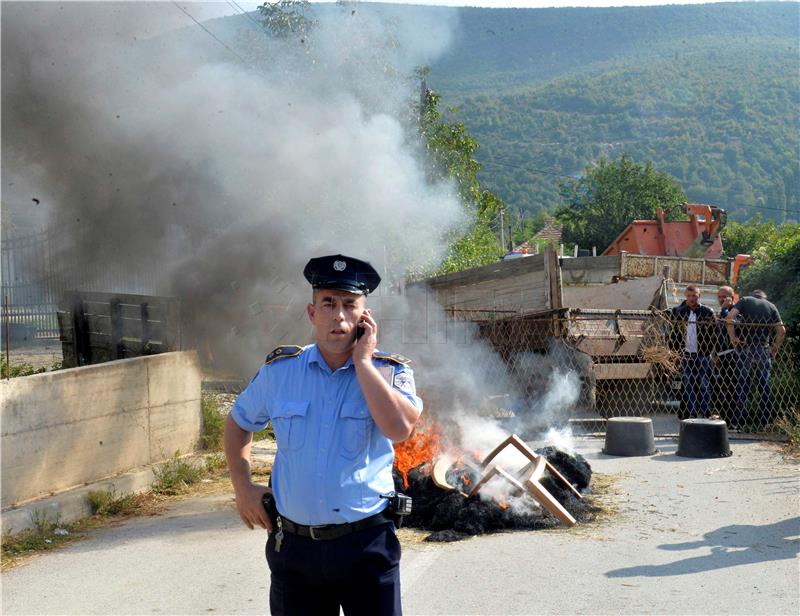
<point x="339" y="266"/>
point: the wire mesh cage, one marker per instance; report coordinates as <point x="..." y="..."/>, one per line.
<point x="644" y="363"/>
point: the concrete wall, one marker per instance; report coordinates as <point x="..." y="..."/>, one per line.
<point x="65" y="428"/>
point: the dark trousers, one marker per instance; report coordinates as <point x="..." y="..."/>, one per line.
<point x="695" y="377"/>
<point x="724" y="390"/>
<point x="359" y="572"/>
<point x="754" y="363"/>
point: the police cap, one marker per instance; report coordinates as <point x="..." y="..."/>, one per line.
<point x="342" y="273"/>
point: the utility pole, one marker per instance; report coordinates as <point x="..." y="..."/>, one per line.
<point x="502" y="231"/>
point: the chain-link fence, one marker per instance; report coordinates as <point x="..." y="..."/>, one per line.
<point x="645" y="363"/>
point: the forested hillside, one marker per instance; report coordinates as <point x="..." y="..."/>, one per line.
<point x="708" y="93"/>
<point x="720" y="119"/>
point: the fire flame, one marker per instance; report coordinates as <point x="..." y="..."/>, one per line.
<point x="420" y="448"/>
<point x="503" y="505"/>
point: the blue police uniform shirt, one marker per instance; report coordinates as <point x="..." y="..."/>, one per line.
<point x="333" y="461"/>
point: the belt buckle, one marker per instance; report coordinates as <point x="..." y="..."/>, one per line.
<point x="311" y="532"/>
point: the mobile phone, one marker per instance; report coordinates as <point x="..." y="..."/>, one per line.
<point x="359" y="330"/>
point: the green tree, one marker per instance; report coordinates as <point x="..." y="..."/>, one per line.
<point x="450" y="153"/>
<point x="287" y="17"/>
<point x="776" y="270"/>
<point x="609" y="196"/>
<point x="746" y="237"/>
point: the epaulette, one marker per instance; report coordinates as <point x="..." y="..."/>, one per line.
<point x="392" y="357"/>
<point x="284" y="351"/>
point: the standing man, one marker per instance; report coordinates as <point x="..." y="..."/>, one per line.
<point x="336" y="407"/>
<point x="694" y="336"/>
<point x="724" y="361"/>
<point x="757" y="338"/>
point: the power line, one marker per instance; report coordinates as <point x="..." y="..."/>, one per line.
<point x="241" y="11"/>
<point x="211" y="34"/>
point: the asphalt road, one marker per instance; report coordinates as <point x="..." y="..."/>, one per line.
<point x="690" y="536"/>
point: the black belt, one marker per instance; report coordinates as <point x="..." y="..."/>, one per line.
<point x="333" y="531"/>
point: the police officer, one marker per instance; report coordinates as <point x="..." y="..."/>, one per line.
<point x="336" y="407"/>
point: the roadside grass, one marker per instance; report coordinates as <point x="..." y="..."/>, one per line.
<point x="109" y="503"/>
<point x="213" y="423"/>
<point x="45" y="535"/>
<point x="266" y="433"/>
<point x="24" y="369"/>
<point x="789" y="425"/>
<point x="176" y="475"/>
<point x="19" y="370"/>
<point x="214" y="414"/>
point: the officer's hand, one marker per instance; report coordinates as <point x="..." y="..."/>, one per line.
<point x="252" y="512"/>
<point x="365" y="346"/>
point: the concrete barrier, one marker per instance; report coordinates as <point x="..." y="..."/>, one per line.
<point x="63" y="429"/>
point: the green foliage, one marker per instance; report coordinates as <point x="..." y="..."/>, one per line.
<point x="215" y="463"/>
<point x="109" y="503"/>
<point x="19" y="370"/>
<point x="266" y="433"/>
<point x="286" y="18"/>
<point x="175" y="475"/>
<point x="746" y="238"/>
<point x="45" y="534"/>
<point x="789" y="425"/>
<point x="776" y="270"/>
<point x="609" y="196"/>
<point x="213" y="423"/>
<point x="708" y="93"/>
<point x="450" y="152"/>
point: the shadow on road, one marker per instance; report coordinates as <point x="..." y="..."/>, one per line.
<point x="731" y="546"/>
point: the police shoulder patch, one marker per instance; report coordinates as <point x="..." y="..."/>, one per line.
<point x="291" y="350"/>
<point x="392" y="357"/>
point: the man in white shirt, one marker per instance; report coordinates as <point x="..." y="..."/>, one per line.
<point x="693" y="334"/>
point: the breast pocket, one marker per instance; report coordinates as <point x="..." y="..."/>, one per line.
<point x="289" y="422"/>
<point x="356" y="422"/>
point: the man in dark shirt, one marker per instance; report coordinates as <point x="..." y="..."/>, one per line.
<point x="724" y="361"/>
<point x="693" y="336"/>
<point x="757" y="338"/>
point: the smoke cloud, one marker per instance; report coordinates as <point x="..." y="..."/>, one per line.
<point x="220" y="167"/>
<point x="219" y="162"/>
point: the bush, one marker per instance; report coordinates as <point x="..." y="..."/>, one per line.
<point x="20" y="370"/>
<point x="213" y="423"/>
<point x="174" y="476"/>
<point x="106" y="502"/>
